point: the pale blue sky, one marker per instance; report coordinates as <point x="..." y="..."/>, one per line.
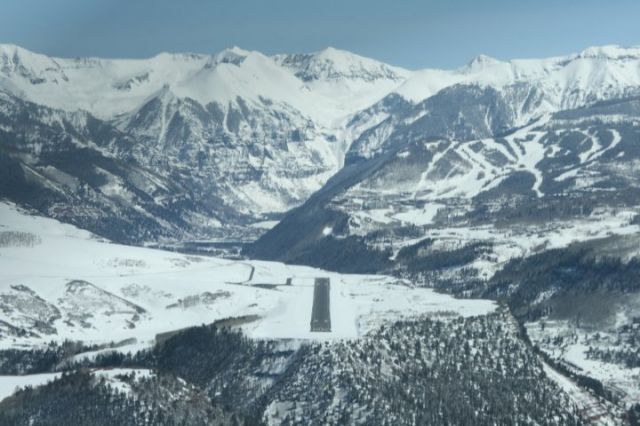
<point x="410" y="33"/>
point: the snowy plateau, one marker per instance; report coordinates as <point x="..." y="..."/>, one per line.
<point x="59" y="282"/>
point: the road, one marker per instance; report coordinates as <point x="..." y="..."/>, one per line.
<point x="252" y="270"/>
<point x="321" y="310"/>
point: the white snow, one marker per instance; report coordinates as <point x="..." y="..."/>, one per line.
<point x="566" y="81"/>
<point x="112" y="379"/>
<point x="420" y="217"/>
<point x="265" y="224"/>
<point x="9" y="384"/>
<point x="108" y="87"/>
<point x="338" y="83"/>
<point x="136" y="293"/>
<point x="534" y="151"/>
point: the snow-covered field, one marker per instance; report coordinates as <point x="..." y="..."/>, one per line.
<point x="9" y="384"/>
<point x="58" y="282"/>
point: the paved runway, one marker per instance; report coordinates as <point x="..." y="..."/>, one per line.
<point x="321" y="312"/>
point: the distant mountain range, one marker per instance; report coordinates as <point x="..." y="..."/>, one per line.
<point x="202" y="146"/>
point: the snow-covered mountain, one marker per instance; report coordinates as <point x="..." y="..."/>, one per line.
<point x="205" y="145"/>
<point x="242" y="134"/>
<point x="516" y="181"/>
<point x="510" y="137"/>
<point x="109" y="87"/>
<point x="308" y="82"/>
<point x="594" y="74"/>
<point x="439" y="171"/>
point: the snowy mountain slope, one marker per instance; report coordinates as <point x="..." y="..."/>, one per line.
<point x="59" y="282"/>
<point x="103" y="87"/>
<point x="237" y="137"/>
<point x="9" y="384"/>
<point x="266" y="157"/>
<point x="489" y="97"/>
<point x="238" y="132"/>
<point x="555" y="151"/>
<point x="335" y="64"/>
<point x="79" y="169"/>
<point x="571" y="171"/>
<point x="349" y="82"/>
<point x="198" y="178"/>
<point x="108" y="87"/>
<point x="323" y="87"/>
<point x="596" y="73"/>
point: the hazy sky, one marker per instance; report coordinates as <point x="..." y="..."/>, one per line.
<point x="411" y="33"/>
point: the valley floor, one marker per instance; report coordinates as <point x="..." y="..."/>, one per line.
<point x="59" y="282"/>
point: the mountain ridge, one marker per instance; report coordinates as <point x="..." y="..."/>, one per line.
<point x="250" y="135"/>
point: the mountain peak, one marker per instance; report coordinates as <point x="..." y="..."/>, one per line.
<point x="331" y="63"/>
<point x="35" y="68"/>
<point x="482" y="61"/>
<point x="16" y="53"/>
<point x="333" y="53"/>
<point x="611" y="51"/>
<point x="9" y="48"/>
<point x="233" y="55"/>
